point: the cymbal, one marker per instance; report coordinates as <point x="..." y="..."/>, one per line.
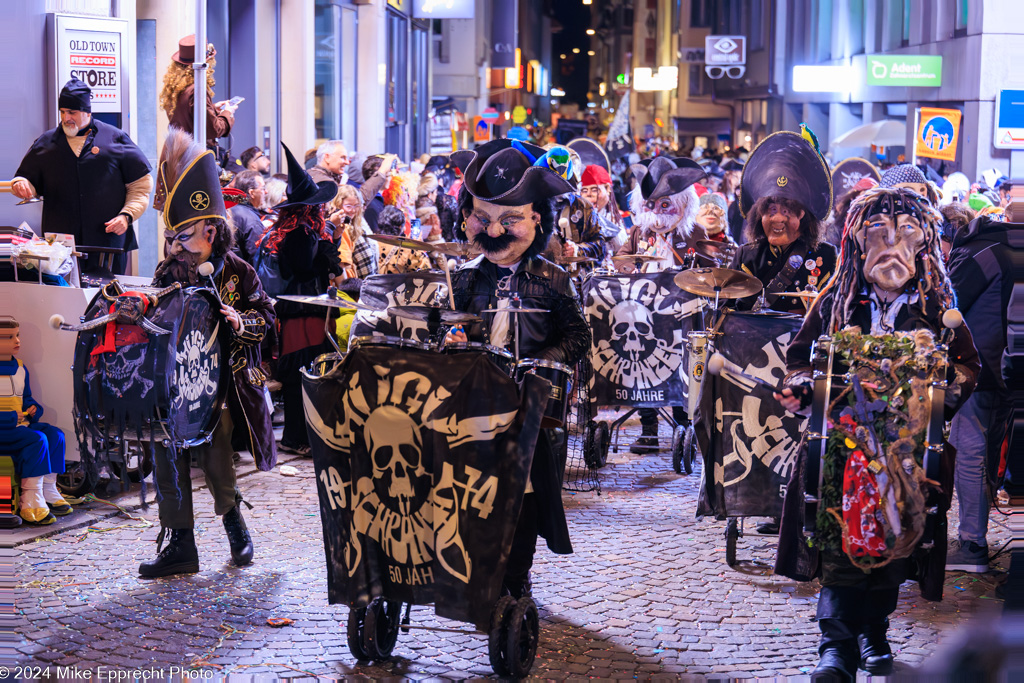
<point x="460" y="249"/>
<point x="403" y="242"/>
<point x="627" y="259"/>
<point x="327" y="301"/>
<point x="722" y="282"/>
<point x="568" y="260"/>
<point x="431" y="314"/>
<point x="711" y="249"/>
<point x="515" y="310"/>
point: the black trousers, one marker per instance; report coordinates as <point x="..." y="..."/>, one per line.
<point x="524" y="542"/>
<point x="852" y="599"/>
<point x="649" y="416"/>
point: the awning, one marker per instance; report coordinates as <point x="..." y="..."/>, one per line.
<point x="879" y="133"/>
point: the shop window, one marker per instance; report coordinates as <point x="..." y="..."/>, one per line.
<point x="962" y="15"/>
<point x="699" y="83"/>
<point x="334" y="71"/>
<point x="905" y="35"/>
<point x="700" y="13"/>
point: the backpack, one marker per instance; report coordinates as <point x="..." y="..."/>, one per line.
<point x="268" y="270"/>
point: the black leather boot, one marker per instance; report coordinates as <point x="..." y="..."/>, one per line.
<point x="875" y="654"/>
<point x="179" y="556"/>
<point x="838" y="651"/>
<point x="517" y="587"/>
<point x="238" y="537"/>
<point x="648" y="440"/>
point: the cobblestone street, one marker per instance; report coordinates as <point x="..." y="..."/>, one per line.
<point x="646" y="594"/>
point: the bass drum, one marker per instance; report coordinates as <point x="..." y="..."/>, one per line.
<point x="164" y="379"/>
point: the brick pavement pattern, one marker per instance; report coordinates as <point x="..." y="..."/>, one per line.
<point x="647" y="594"/>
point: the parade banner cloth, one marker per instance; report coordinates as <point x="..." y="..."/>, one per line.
<point x="421" y="464"/>
<point x="747" y="440"/>
<point x="639" y="324"/>
<point x="399" y="289"/>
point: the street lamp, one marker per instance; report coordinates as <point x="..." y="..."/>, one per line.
<point x="591" y="53"/>
<point x="590" y="31"/>
<point x="575" y="50"/>
<point x="561" y="56"/>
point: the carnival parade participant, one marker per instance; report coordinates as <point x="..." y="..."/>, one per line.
<point x="94" y="180"/>
<point x="506" y="207"/>
<point x="712" y="217"/>
<point x="890" y="279"/>
<point x="664" y="205"/>
<point x="786" y="195"/>
<point x="578" y="233"/>
<point x="177" y="97"/>
<point x="596" y="186"/>
<point x="36" y="447"/>
<point x="198" y="231"/>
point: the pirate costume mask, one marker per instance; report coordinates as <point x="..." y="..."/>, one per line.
<point x="664" y="200"/>
<point x="193" y="210"/>
<point x="906" y="176"/>
<point x="711" y="215"/>
<point x="893" y="233"/>
<point x="503" y="181"/>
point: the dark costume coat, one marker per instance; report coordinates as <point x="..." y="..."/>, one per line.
<point x="239" y="287"/>
<point x="965" y="365"/>
<point x="561" y="335"/>
<point x="82" y="193"/>
<point x="764" y="262"/>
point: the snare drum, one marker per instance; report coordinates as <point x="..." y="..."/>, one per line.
<point x="560" y="376"/>
<point x="391" y="342"/>
<point x="499" y="356"/>
<point x="326" y="363"/>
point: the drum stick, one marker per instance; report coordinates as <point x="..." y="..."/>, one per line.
<point x="719" y="363"/>
<point x="448" y="278"/>
<point x="206" y="270"/>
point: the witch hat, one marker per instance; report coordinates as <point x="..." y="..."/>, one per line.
<point x="302" y="191"/>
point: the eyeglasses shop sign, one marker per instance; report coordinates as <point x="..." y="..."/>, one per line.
<point x="913" y="71"/>
<point x="725" y="50"/>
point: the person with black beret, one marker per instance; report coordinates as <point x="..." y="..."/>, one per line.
<point x="93" y="179"/>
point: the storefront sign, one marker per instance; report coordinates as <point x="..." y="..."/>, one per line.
<point x="691" y="55"/>
<point x="443" y="9"/>
<point x="725" y="50"/>
<point x="1009" y="132"/>
<point x="400" y="5"/>
<point x="92" y="50"/>
<point x="504" y="34"/>
<point x="519" y="114"/>
<point x="481" y="130"/>
<point x="915" y="71"/>
<point x="937" y="133"/>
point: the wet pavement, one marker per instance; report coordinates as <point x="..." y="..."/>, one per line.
<point x="646" y="594"/>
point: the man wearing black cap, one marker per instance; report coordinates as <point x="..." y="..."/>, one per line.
<point x="506" y="209"/>
<point x="94" y="180"/>
<point x="197" y="230"/>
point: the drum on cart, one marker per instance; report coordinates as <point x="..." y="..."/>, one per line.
<point x="422" y="460"/>
<point x="560" y="377"/>
<point x="497" y="355"/>
<point x="150" y="365"/>
<point x="747" y="441"/>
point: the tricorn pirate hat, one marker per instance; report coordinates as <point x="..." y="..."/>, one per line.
<point x="786" y="166"/>
<point x="301" y="188"/>
<point x="513" y="173"/>
<point x="591" y="153"/>
<point x="848" y="172"/>
<point x="189" y="182"/>
<point x="733" y="165"/>
<point x="663" y="176"/>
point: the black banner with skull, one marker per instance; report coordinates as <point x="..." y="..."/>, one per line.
<point x="639" y="324"/>
<point x="421" y="463"/>
<point x="156" y="369"/>
<point x="398" y="289"/>
<point x="747" y="440"/>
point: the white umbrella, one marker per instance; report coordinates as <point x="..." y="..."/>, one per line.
<point x="878" y="133"/>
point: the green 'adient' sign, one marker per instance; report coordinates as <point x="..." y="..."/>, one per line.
<point x="920" y="71"/>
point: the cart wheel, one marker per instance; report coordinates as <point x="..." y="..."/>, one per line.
<point x="380" y="630"/>
<point x="678" y="441"/>
<point x="75" y="481"/>
<point x="138" y="467"/>
<point x="523" y="635"/>
<point x="498" y="635"/>
<point x="732" y="533"/>
<point x="602" y="439"/>
<point x="356" y="623"/>
<point x="689" y="449"/>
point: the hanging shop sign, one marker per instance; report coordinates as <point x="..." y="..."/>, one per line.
<point x="504" y="34"/>
<point x="913" y="71"/>
<point x="519" y="114"/>
<point x="937" y="133"/>
<point x="725" y="50"/>
<point x="1009" y="133"/>
<point x="92" y="50"/>
<point x="443" y="9"/>
<point x="481" y="129"/>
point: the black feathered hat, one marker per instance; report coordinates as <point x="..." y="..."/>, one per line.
<point x="75" y="95"/>
<point x="662" y="176"/>
<point x="785" y="166"/>
<point x="849" y="172"/>
<point x="591" y="153"/>
<point x="301" y="188"/>
<point x="513" y="173"/>
<point x="189" y="182"/>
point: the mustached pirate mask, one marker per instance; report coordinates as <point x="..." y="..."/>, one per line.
<point x="513" y="173"/>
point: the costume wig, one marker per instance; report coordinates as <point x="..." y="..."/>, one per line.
<point x="546" y="228"/>
<point x="811" y="228"/>
<point x="309" y="217"/>
<point x="930" y="279"/>
<point x="686" y="203"/>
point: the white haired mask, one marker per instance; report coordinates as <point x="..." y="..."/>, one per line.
<point x="671" y="213"/>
